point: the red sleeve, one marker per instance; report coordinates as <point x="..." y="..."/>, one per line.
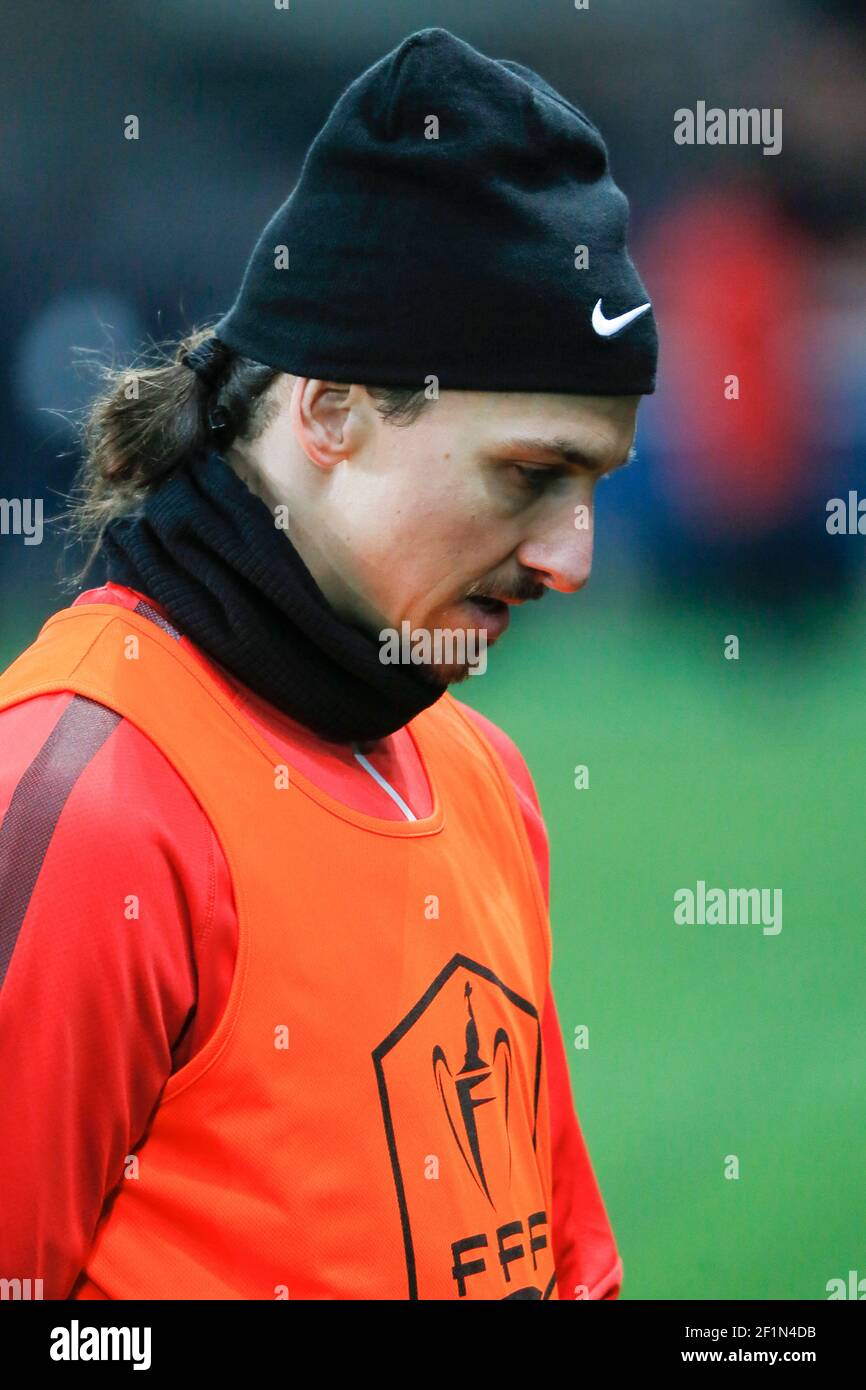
<point x="587" y="1260"/>
<point x="97" y="995"/>
<point x="588" y="1264"/>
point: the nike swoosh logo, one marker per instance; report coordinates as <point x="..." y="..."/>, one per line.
<point x="607" y="327"/>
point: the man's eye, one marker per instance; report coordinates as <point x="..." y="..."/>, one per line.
<point x="533" y="478"/>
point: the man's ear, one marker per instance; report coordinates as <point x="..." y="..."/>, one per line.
<point x="327" y="421"/>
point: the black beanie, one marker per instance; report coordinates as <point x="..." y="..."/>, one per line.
<point x="399" y="257"/>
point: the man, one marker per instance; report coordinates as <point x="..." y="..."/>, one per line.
<point x="274" y="943"/>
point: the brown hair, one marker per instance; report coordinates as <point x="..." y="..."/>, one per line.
<point x="152" y="417"/>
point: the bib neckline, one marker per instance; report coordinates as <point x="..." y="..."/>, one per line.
<point x="189" y="655"/>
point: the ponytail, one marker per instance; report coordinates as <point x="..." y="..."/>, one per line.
<point x="151" y="418"/>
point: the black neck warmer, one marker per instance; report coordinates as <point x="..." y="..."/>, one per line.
<point x="206" y="548"/>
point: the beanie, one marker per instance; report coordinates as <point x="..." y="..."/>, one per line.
<point x="455" y="219"/>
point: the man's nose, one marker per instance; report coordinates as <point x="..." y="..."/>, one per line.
<point x="561" y="556"/>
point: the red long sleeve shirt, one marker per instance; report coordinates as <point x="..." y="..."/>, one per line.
<point x="94" y="1018"/>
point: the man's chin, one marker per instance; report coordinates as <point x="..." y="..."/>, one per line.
<point x="443" y="675"/>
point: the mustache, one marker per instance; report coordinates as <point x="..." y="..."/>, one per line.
<point x="523" y="591"/>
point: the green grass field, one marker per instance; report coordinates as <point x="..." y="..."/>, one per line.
<point x="706" y="1041"/>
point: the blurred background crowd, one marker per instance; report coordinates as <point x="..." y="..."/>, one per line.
<point x="746" y="773"/>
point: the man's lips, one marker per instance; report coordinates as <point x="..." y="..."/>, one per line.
<point x="489" y="608"/>
<point x="491" y="614"/>
<point x="489" y="601"/>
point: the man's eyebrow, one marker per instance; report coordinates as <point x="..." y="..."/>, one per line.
<point x="560" y="450"/>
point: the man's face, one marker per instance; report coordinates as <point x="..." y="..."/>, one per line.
<point x="486" y="500"/>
